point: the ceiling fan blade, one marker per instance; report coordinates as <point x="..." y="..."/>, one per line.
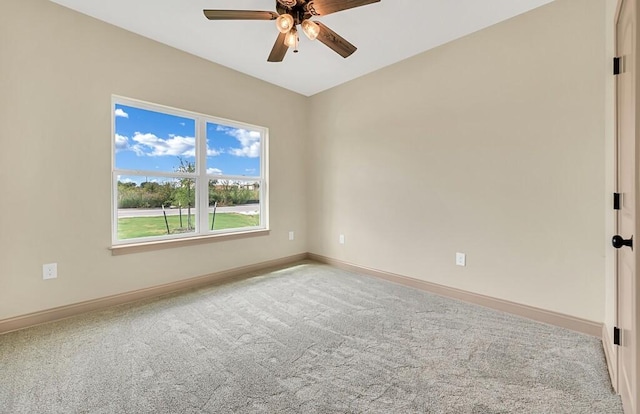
<point x="279" y="49"/>
<point x="240" y="15"/>
<point x="337" y="43"/>
<point x="324" y="7"/>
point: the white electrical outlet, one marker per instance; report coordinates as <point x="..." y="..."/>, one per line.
<point x="291" y="235"/>
<point x="50" y="271"/>
<point x="341" y="239"/>
<point x="461" y="259"/>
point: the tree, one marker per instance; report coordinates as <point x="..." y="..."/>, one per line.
<point x="150" y="186"/>
<point x="185" y="194"/>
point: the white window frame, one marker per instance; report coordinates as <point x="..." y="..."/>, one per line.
<point x="200" y="176"/>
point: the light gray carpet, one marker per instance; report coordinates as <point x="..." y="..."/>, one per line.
<point x="308" y="339"/>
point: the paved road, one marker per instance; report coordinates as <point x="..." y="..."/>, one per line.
<point x="154" y="212"/>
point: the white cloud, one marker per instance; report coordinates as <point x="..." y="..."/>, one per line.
<point x="252" y="151"/>
<point x="211" y="152"/>
<point x="214" y="171"/>
<point x="126" y="180"/>
<point x="120" y="113"/>
<point x="122" y="142"/>
<point x="152" y="146"/>
<point x="249" y="141"/>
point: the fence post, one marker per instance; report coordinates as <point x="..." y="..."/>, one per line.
<point x="213" y="219"/>
<point x="166" y="222"/>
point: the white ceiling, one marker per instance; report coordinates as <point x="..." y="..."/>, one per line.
<point x="384" y="32"/>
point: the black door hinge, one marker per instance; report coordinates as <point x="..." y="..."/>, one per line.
<point x="616" y="201"/>
<point x="616" y="335"/>
<point x="616" y="65"/>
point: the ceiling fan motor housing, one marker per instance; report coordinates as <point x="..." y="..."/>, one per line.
<point x="298" y="11"/>
<point x="288" y="3"/>
<point x="303" y="6"/>
<point x="311" y="9"/>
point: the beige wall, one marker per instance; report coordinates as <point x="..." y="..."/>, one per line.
<point x="58" y="70"/>
<point x="492" y="145"/>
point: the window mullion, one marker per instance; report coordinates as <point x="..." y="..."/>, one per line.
<point x="146" y="173"/>
<point x="235" y="178"/>
<point x="203" y="182"/>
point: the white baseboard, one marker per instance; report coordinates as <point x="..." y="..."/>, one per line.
<point x="541" y="315"/>
<point x="63" y="312"/>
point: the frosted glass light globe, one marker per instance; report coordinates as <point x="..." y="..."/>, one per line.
<point x="284" y="23"/>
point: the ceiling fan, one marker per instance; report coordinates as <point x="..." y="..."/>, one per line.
<point x="293" y="13"/>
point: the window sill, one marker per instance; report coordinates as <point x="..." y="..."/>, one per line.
<point x="188" y="241"/>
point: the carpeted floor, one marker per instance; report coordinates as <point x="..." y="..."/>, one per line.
<point x="308" y="339"/>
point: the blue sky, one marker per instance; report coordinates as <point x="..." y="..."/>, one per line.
<point x="153" y="141"/>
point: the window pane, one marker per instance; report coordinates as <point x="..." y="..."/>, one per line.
<point x="152" y="141"/>
<point x="233" y="151"/>
<point x="141" y="201"/>
<point x="233" y="204"/>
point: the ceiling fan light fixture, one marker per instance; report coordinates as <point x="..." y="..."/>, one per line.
<point x="291" y="40"/>
<point x="311" y="29"/>
<point x="284" y="23"/>
<point x="289" y="15"/>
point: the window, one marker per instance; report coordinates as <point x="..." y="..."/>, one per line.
<point x="179" y="174"/>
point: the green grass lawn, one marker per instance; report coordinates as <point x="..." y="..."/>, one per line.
<point x="134" y="227"/>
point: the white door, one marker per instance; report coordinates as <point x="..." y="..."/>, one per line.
<point x="627" y="181"/>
